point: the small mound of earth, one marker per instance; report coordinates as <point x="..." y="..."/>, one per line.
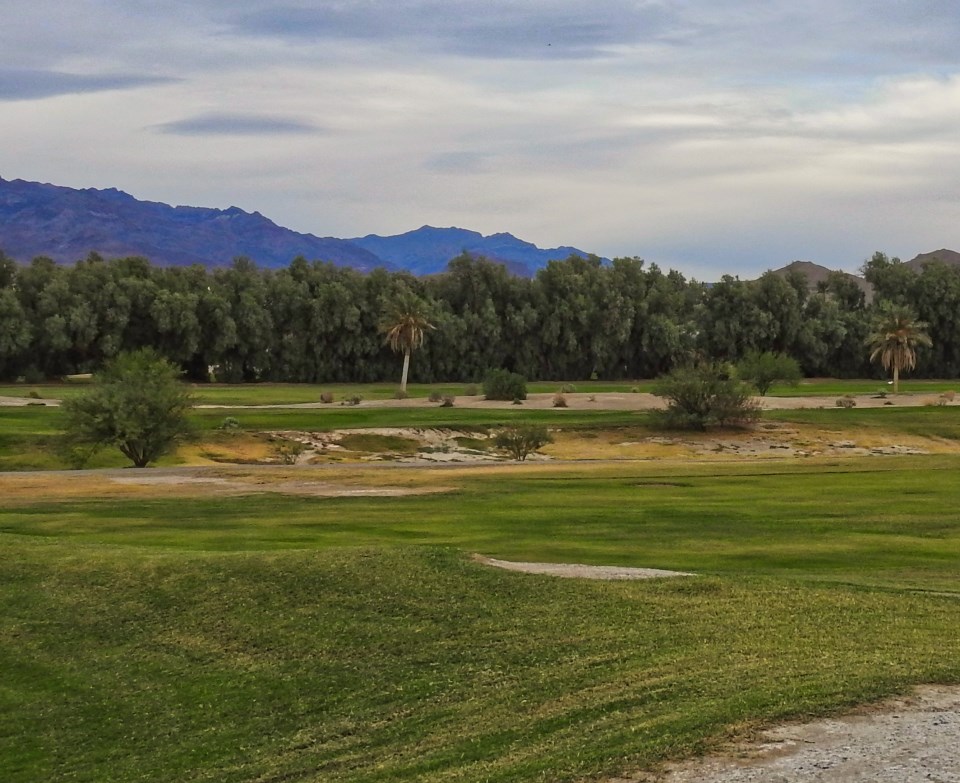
<point x="579" y="570"/>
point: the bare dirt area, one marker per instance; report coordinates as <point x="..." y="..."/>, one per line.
<point x="579" y="571"/>
<point x="907" y="739"/>
<point x="27" y="488"/>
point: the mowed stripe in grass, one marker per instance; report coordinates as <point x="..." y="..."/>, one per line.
<point x="415" y="664"/>
<point x="890" y="521"/>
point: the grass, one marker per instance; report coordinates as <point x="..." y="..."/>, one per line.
<point x="350" y="639"/>
<point x="205" y="637"/>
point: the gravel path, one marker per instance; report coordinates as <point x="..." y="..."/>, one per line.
<point x="580" y="571"/>
<point x="910" y="739"/>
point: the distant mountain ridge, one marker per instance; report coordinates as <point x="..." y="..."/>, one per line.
<point x="427" y="250"/>
<point x="66" y="224"/>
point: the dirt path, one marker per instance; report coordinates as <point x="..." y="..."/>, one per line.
<point x="909" y="739"/>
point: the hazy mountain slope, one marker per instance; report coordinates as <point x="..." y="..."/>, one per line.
<point x="66" y="224"/>
<point x="428" y="250"/>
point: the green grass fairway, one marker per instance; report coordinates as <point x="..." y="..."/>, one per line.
<point x="279" y="638"/>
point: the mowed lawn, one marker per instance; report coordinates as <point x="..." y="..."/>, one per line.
<point x="280" y="638"/>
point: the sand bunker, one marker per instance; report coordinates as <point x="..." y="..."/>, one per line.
<point x="579" y="571"/>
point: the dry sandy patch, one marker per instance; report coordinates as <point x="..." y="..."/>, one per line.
<point x="907" y="739"/>
<point x="579" y="570"/>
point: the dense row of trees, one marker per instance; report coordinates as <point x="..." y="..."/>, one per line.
<point x="319" y="323"/>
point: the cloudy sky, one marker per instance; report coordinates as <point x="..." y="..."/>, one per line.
<point x="709" y="136"/>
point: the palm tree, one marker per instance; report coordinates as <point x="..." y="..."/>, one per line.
<point x="895" y="337"/>
<point x="404" y="327"/>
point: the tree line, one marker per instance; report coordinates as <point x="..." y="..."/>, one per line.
<point x="577" y="318"/>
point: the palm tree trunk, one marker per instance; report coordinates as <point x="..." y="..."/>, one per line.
<point x="896" y="379"/>
<point x="406" y="370"/>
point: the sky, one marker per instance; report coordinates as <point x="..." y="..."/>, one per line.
<point x="709" y="136"/>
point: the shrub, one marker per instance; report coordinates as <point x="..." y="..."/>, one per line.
<point x="702" y="396"/>
<point x="137" y="405"/>
<point x="471" y="390"/>
<point x="326" y="397"/>
<point x="568" y="388"/>
<point x="435" y="396"/>
<point x="523" y="440"/>
<point x="448" y="401"/>
<point x="846" y="402"/>
<point x="559" y="400"/>
<point x="634" y="389"/>
<point x="504" y="385"/>
<point x="287" y="451"/>
<point x="400" y="394"/>
<point x="765" y="369"/>
<point x="229" y="423"/>
<point x="33" y="394"/>
<point x="355" y="399"/>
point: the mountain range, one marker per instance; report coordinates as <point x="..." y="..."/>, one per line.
<point x="66" y="224"/>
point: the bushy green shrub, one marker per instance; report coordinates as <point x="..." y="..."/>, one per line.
<point x="229" y="423"/>
<point x="702" y="396"/>
<point x="521" y="441"/>
<point x="765" y="369"/>
<point x="504" y="385"/>
<point x="568" y="388"/>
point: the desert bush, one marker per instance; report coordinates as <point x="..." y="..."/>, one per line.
<point x="137" y="404"/>
<point x="355" y="399"/>
<point x="846" y="402"/>
<point x="568" y="388"/>
<point x="702" y="396"/>
<point x="521" y="441"/>
<point x="448" y="401"/>
<point x="765" y="369"/>
<point x="401" y="394"/>
<point x="33" y="394"/>
<point x="504" y="385"/>
<point x="634" y="389"/>
<point x="287" y="451"/>
<point x="559" y="400"/>
<point x="326" y="397"/>
<point x="435" y="396"/>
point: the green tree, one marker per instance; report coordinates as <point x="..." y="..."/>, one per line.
<point x="137" y="405"/>
<point x="896" y="335"/>
<point x="767" y="368"/>
<point x="404" y="327"/>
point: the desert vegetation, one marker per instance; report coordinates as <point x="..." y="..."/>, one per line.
<point x="313" y="322"/>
